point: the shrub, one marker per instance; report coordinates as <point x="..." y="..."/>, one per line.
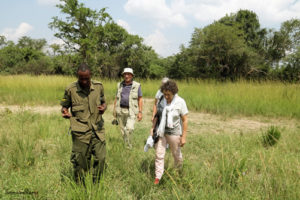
<point x="271" y="137"/>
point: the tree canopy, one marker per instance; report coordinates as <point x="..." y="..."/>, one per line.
<point x="236" y="47"/>
<point x="233" y="47"/>
<point x="99" y="41"/>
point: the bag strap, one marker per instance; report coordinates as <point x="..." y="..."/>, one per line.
<point x="160" y="99"/>
<point x="162" y="96"/>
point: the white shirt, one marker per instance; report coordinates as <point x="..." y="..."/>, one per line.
<point x="179" y="110"/>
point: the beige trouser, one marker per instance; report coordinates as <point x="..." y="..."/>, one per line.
<point x="126" y="123"/>
<point x="174" y="143"/>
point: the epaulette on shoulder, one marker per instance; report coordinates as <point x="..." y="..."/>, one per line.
<point x="96" y="82"/>
<point x="71" y="85"/>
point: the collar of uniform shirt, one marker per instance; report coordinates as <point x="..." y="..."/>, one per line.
<point x="81" y="89"/>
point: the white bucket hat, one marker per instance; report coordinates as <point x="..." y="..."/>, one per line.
<point x="127" y="70"/>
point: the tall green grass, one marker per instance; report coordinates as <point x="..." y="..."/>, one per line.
<point x="35" y="151"/>
<point x="242" y="97"/>
<point x="33" y="90"/>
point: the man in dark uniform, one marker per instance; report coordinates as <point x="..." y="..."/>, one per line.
<point x="86" y="100"/>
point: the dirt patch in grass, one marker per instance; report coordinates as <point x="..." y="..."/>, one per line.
<point x="36" y="109"/>
<point x="219" y="124"/>
<point x="199" y="123"/>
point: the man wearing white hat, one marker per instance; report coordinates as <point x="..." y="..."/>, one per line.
<point x="128" y="105"/>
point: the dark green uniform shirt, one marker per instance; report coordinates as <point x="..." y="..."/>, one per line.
<point x="85" y="114"/>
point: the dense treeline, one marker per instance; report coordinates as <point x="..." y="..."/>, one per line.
<point x="233" y="47"/>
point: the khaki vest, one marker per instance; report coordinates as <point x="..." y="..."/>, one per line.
<point x="133" y="98"/>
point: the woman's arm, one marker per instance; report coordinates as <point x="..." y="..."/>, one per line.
<point x="153" y="125"/>
<point x="154" y="110"/>
<point x="184" y="130"/>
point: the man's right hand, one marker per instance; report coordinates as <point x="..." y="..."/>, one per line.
<point x="65" y="113"/>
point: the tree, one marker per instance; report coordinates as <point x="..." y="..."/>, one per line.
<point x="218" y="51"/>
<point x="284" y="42"/>
<point x="35" y="44"/>
<point x="229" y="48"/>
<point x="25" y="57"/>
<point x="291" y="69"/>
<point x="55" y="49"/>
<point x="31" y="48"/>
<point x="291" y="30"/>
<point x="2" y="40"/>
<point x="99" y="41"/>
<point x="82" y="29"/>
<point x="276" y="47"/>
<point x="182" y="66"/>
<point x="247" y="22"/>
<point x="10" y="58"/>
<point x="197" y="56"/>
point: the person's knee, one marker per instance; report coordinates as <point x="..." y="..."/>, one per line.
<point x="78" y="161"/>
<point x="178" y="160"/>
<point x="130" y="131"/>
<point x="160" y="156"/>
<point x="100" y="158"/>
<point x="178" y="163"/>
<point x="75" y="158"/>
<point x="100" y="151"/>
<point x="130" y="124"/>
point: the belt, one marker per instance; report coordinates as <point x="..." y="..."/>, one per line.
<point x="124" y="106"/>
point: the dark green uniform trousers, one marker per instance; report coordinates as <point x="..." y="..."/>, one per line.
<point x="82" y="154"/>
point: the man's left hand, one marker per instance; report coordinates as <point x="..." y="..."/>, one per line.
<point x="182" y="141"/>
<point x="102" y="108"/>
<point x="140" y="116"/>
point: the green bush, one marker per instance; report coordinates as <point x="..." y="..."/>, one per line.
<point x="271" y="137"/>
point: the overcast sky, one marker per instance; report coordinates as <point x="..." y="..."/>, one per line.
<point x="164" y="24"/>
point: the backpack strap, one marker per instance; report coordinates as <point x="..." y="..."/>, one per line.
<point x="162" y="96"/>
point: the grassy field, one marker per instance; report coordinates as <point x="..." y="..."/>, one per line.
<point x="35" y="151"/>
<point x="224" y="158"/>
<point x="246" y="98"/>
